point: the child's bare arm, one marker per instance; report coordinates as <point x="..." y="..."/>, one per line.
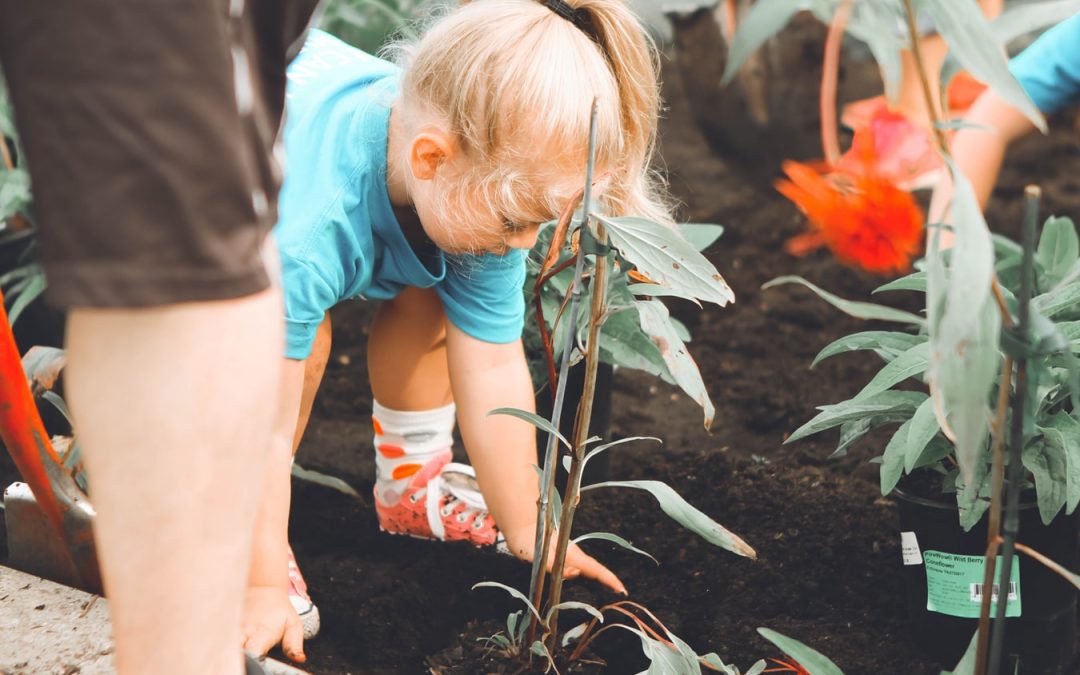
<point x="502" y="449"/>
<point x="979" y="152"/>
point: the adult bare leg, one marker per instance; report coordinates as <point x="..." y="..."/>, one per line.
<point x="174" y="407"/>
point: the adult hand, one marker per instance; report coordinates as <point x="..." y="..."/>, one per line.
<point x="269" y="618"/>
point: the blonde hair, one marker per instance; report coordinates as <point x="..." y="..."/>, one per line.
<point x="512" y="79"/>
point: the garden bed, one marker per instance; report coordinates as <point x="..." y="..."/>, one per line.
<point x="828" y="569"/>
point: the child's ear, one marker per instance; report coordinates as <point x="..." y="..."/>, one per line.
<point x="428" y="150"/>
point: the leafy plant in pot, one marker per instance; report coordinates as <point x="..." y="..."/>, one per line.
<point x="972" y="334"/>
<point x="943" y="528"/>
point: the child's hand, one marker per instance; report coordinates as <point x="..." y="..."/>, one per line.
<point x="578" y="563"/>
<point x="269" y="618"/>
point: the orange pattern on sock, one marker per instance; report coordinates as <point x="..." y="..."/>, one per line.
<point x="405" y="470"/>
<point x="378" y="427"/>
<point x="391" y="451"/>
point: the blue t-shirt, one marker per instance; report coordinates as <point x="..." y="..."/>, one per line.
<point x="1049" y="69"/>
<point x="336" y="229"/>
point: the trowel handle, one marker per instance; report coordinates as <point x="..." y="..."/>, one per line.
<point x="24" y="436"/>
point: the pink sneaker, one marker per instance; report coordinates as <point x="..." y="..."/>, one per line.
<point x="301" y="601"/>
<point x="442" y="502"/>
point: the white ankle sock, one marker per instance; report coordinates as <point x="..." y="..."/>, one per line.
<point x="404" y="442"/>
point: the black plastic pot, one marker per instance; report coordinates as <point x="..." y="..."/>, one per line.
<point x="599" y="467"/>
<point x="1042" y="639"/>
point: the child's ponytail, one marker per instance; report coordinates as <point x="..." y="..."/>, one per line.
<point x="632" y="57"/>
<point x="514" y="80"/>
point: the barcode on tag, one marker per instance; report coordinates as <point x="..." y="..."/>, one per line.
<point x="977" y="592"/>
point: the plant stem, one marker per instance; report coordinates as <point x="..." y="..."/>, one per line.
<point x="830" y="74"/>
<point x="916" y="51"/>
<point x="1019" y="412"/>
<point x="1050" y="564"/>
<point x="581" y="426"/>
<point x="545" y="505"/>
<point x="993" y="530"/>
<point x="5" y="155"/>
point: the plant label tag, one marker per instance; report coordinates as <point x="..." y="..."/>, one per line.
<point x="909" y="548"/>
<point x="954" y="585"/>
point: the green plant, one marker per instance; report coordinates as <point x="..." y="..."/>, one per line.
<point x="1052" y="442"/>
<point x="24" y="281"/>
<point x="636" y="324"/>
<point x="368" y="24"/>
<point x="974" y="337"/>
<point x="605" y="252"/>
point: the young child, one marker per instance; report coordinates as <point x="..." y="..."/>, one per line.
<point x="421" y="185"/>
<point x="1049" y="70"/>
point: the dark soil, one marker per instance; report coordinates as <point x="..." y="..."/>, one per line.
<point x="828" y="570"/>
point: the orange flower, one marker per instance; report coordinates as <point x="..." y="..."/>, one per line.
<point x="860" y="214"/>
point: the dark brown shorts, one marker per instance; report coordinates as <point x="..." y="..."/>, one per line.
<point x="149" y="128"/>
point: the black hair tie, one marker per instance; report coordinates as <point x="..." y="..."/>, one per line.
<point x="575" y="16"/>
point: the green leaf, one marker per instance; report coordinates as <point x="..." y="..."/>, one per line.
<point x="533" y="419"/>
<point x="971" y="41"/>
<point x="812" y="661"/>
<point x="916" y="281"/>
<point x="851" y="432"/>
<point x="512" y="591"/>
<point x="574" y="633"/>
<point x="658" y="291"/>
<point x="936" y="450"/>
<point x="765" y="19"/>
<point x="1063" y="431"/>
<point x="972" y="499"/>
<point x="874" y="23"/>
<point x="324" y="480"/>
<point x="859" y="310"/>
<point x="7" y="113"/>
<point x="1058" y="251"/>
<point x="886" y="344"/>
<point x="606" y="446"/>
<point x="573" y="604"/>
<point x="664" y="659"/>
<point x="1061" y="298"/>
<point x="1046" y="462"/>
<point x="924" y="426"/>
<point x="14" y="192"/>
<point x="964" y="328"/>
<point x="967" y="661"/>
<point x="911" y="363"/>
<point x="1029" y="17"/>
<point x="679" y="510"/>
<point x="886" y="402"/>
<point x="623" y="343"/>
<point x="892" y="462"/>
<point x="661" y="254"/>
<point x="540" y="649"/>
<point x="58" y="403"/>
<point x="30" y="291"/>
<point x="701" y="235"/>
<point x="615" y="539"/>
<point x="655" y="321"/>
<point x="513" y="622"/>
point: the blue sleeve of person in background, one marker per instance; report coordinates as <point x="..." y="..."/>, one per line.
<point x="482" y="295"/>
<point x="1049" y="69"/>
